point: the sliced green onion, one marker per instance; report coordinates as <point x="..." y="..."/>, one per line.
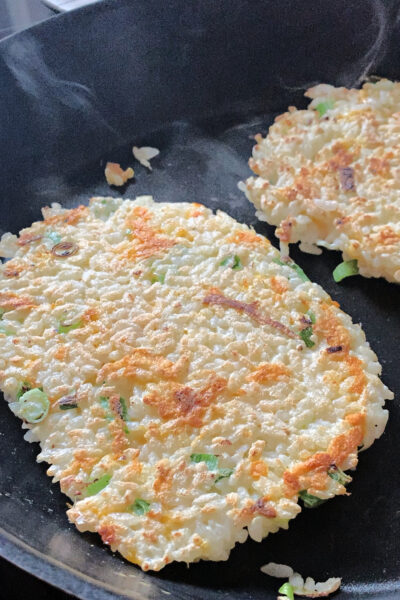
<point x="6" y="330"/>
<point x="287" y="590"/>
<point x="338" y="475"/>
<point x="67" y="406"/>
<point x="305" y="334"/>
<point x="237" y="265"/>
<point x="309" y="500"/>
<point x="34" y="405"/>
<point x="232" y="260"/>
<point x="311" y="316"/>
<point x="345" y="269"/>
<point x="222" y="473"/>
<point x="124" y="409"/>
<point x="210" y="459"/>
<point x="2" y="311"/>
<point x="293" y="266"/>
<point x="66" y="328"/>
<point x="140" y="507"/>
<point x="97" y="486"/>
<point x="53" y="236"/>
<point x="24" y="387"/>
<point x="299" y="272"/>
<point x="105" y="403"/>
<point x="158" y="278"/>
<point x="323" y="107"/>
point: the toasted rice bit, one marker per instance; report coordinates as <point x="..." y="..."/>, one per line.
<point x="117" y="176"/>
<point x="145" y="154"/>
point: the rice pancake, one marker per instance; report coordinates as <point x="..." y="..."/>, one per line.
<point x="185" y="384"/>
<point x="330" y="176"/>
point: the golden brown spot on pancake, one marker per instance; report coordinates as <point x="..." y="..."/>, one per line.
<point x="184" y="233"/>
<point x="355" y="369"/>
<point x="386" y="237"/>
<point x="342" y="157"/>
<point x="146" y="240"/>
<point x="144" y="366"/>
<point x="120" y="441"/>
<point x="11" y="301"/>
<point x="329" y="326"/>
<point x="249" y="238"/>
<point x="108" y="534"/>
<point x="279" y="284"/>
<point x="379" y="166"/>
<point x="348" y="442"/>
<point x="11" y="269"/>
<point x="82" y="461"/>
<point x="258" y="469"/>
<point x="90" y="314"/>
<point x="163" y="482"/>
<point x="61" y="352"/>
<point x="312" y="473"/>
<point x="183" y="403"/>
<point x="267" y="372"/>
<point x="70" y="217"/>
<point x="292" y="484"/>
<point x="199" y="210"/>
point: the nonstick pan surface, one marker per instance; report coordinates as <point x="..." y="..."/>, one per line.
<point x="196" y="79"/>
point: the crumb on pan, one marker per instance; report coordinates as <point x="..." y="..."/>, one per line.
<point x="115" y="175"/>
<point x="145" y="154"/>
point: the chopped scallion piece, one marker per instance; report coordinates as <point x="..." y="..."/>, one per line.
<point x="287" y="590"/>
<point x="323" y="107"/>
<point x="305" y="334"/>
<point x="299" y="272"/>
<point x="140" y="507"/>
<point x="67" y="406"/>
<point x="24" y="387"/>
<point x="124" y="409"/>
<point x="53" y="236"/>
<point x="34" y="405"/>
<point x="233" y="261"/>
<point x="237" y="265"/>
<point x="223" y="473"/>
<point x="105" y="403"/>
<point x="345" y="269"/>
<point x="2" y="311"/>
<point x="158" y="278"/>
<point x="309" y="500"/>
<point x="293" y="266"/>
<point x="311" y="316"/>
<point x="97" y="486"/>
<point x="66" y="328"/>
<point x="339" y="475"/>
<point x="210" y="459"/>
<point x="6" y="330"/>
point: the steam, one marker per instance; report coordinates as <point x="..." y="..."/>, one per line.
<point x="354" y="74"/>
<point x="25" y="61"/>
<point x="376" y="51"/>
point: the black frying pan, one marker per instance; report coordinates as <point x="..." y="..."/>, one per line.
<point x="195" y="78"/>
